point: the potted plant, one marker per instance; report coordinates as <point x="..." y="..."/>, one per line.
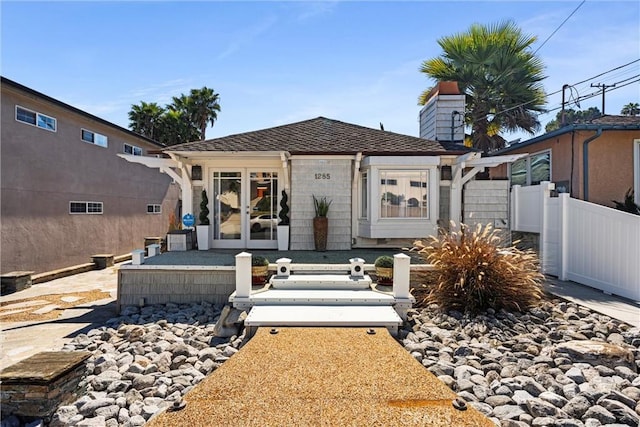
<point x="259" y="269"/>
<point x="202" y="229"/>
<point x="384" y="269"/>
<point x="321" y="223"/>
<point x="283" y="225"/>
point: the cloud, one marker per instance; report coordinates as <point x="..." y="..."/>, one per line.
<point x="311" y="9"/>
<point x="247" y="35"/>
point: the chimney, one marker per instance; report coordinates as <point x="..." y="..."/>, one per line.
<point x="442" y="117"/>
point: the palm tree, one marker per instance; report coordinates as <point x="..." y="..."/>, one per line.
<point x="204" y="108"/>
<point x="146" y="119"/>
<point x="500" y="76"/>
<point x="631" y="109"/>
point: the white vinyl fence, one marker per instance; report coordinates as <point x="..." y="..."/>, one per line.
<point x="581" y="241"/>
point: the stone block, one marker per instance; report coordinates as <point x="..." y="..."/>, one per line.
<point x="15" y="281"/>
<point x="102" y="261"/>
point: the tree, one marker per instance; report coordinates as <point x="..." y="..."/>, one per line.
<point x="501" y="77"/>
<point x="631" y="109"/>
<point x="572" y="116"/>
<point x="184" y="120"/>
<point x="146" y="119"/>
<point x="204" y="108"/>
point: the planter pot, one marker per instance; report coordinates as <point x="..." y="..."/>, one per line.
<point x="320" y="232"/>
<point x="202" y="232"/>
<point x="259" y="274"/>
<point x="180" y="240"/>
<point x="283" y="237"/>
<point x="384" y="275"/>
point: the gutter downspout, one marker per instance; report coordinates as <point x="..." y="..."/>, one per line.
<point x="354" y="197"/>
<point x="585" y="164"/>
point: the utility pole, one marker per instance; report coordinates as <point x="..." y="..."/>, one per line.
<point x="563" y="103"/>
<point x="604" y="88"/>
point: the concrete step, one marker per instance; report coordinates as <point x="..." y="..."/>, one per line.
<point x="320" y="297"/>
<point x="320" y="281"/>
<point x="323" y="316"/>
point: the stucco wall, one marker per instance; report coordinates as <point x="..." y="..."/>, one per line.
<point x="610" y="163"/>
<point x="320" y="177"/>
<point x="42" y="171"/>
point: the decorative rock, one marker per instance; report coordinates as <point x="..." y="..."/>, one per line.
<point x="597" y="353"/>
<point x="599" y="413"/>
<point x="623" y="413"/>
<point x="540" y="408"/>
<point x="507" y="412"/>
<point x="577" y="406"/>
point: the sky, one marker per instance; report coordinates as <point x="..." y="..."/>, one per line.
<point x="274" y="63"/>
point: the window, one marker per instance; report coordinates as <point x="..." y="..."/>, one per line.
<point x="92" y="208"/>
<point x="364" y="201"/>
<point x="35" y="119"/>
<point x="154" y="209"/>
<point x="94" y="138"/>
<point x="531" y="170"/>
<point x="403" y="194"/>
<point x="132" y="149"/>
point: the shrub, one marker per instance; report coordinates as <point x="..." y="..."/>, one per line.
<point x="204" y="209"/>
<point x="321" y="206"/>
<point x="628" y="204"/>
<point x="259" y="261"/>
<point x="474" y="273"/>
<point x="284" y="209"/>
<point x="384" y="261"/>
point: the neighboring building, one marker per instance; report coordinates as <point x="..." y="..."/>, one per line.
<point x="66" y="195"/>
<point x="596" y="161"/>
<point x="385" y="188"/>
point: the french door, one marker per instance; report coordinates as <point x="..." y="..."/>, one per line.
<point x="245" y="208"/>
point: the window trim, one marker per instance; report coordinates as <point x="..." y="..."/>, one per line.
<point x="37" y="115"/>
<point x="154" y="211"/>
<point x="426" y="171"/>
<point x="93" y="142"/>
<point x="133" y="151"/>
<point x="86" y="203"/>
<point x="527" y="159"/>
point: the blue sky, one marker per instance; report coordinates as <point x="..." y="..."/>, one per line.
<point x="279" y="62"/>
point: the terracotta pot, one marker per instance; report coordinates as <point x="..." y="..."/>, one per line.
<point x="385" y="275"/>
<point x="259" y="275"/>
<point x="320" y="232"/>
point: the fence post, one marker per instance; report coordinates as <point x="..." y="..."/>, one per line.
<point x="515" y="208"/>
<point x="243" y="275"/>
<point x="401" y="273"/>
<point x="545" y="194"/>
<point x="563" y="243"/>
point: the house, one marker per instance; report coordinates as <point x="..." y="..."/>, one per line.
<point x="66" y="195"/>
<point x="596" y="161"/>
<point x="386" y="189"/>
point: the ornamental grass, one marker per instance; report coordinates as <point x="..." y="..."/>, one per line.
<point x="474" y="273"/>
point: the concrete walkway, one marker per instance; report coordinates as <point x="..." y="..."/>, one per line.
<point x="611" y="305"/>
<point x="20" y="340"/>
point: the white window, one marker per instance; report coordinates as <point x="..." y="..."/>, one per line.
<point x="364" y="196"/>
<point x="91" y="208"/>
<point x="132" y="149"/>
<point x="94" y="138"/>
<point x="531" y="170"/>
<point x="404" y="194"/>
<point x="35" y="119"/>
<point x="154" y="209"/>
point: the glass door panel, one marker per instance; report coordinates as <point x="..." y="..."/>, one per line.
<point x="227" y="204"/>
<point x="263" y="209"/>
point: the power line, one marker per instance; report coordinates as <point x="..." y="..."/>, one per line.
<point x="559" y="26"/>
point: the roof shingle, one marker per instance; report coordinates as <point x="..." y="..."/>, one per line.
<point x="322" y="136"/>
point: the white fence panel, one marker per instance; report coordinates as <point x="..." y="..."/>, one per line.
<point x="550" y="243"/>
<point x="603" y="248"/>
<point x="526" y="207"/>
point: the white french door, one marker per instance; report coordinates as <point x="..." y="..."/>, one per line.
<point x="245" y="207"/>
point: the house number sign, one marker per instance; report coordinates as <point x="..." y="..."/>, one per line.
<point x="322" y="176"/>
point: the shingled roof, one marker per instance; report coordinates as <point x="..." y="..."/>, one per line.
<point x="323" y="136"/>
